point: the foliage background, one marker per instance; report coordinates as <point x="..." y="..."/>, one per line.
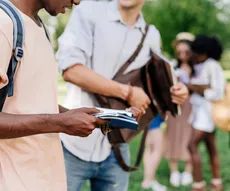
<point x="210" y="17"/>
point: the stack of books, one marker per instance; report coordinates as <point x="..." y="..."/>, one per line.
<point x="118" y="118"/>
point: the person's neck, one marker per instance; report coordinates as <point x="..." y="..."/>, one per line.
<point x="29" y="8"/>
<point x="185" y="63"/>
<point x="129" y="16"/>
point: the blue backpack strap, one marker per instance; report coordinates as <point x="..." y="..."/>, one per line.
<point x="18" y="40"/>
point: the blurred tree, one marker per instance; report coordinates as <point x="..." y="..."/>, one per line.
<point x="196" y="16"/>
<point x="210" y="17"/>
<point x="56" y="24"/>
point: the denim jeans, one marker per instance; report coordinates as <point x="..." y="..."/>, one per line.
<point x="103" y="176"/>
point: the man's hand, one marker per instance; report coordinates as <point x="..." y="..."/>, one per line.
<point x="138" y="98"/>
<point x="80" y="122"/>
<point x="179" y="93"/>
<point x="137" y="113"/>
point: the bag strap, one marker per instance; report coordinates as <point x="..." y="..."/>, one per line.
<point x="135" y="54"/>
<point x="116" y="148"/>
<point x="18" y="40"/>
<point x="120" y="159"/>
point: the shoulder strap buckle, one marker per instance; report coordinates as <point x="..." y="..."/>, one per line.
<point x="18" y="53"/>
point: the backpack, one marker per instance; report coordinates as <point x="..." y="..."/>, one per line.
<point x="17" y="52"/>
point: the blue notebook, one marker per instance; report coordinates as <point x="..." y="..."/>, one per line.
<point x="118" y="118"/>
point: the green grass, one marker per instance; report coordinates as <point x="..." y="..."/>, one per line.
<point x="163" y="170"/>
<point x="227" y="75"/>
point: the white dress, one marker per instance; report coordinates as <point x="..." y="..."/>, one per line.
<point x="206" y="73"/>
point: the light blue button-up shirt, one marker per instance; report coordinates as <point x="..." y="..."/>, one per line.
<point x="97" y="37"/>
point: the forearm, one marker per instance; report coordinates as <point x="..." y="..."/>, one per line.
<point x="198" y="88"/>
<point x="14" y="126"/>
<point x="91" y="81"/>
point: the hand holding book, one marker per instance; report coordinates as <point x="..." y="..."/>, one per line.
<point x="119" y="119"/>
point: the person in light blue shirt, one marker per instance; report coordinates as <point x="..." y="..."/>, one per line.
<point x="99" y="38"/>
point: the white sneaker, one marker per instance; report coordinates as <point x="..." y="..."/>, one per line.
<point x="156" y="186"/>
<point x="186" y="178"/>
<point x="175" y="179"/>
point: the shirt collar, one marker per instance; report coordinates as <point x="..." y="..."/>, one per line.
<point x="114" y="15"/>
<point x="113" y="12"/>
<point x="141" y="24"/>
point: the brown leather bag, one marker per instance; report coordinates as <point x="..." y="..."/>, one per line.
<point x="221" y="111"/>
<point x="154" y="79"/>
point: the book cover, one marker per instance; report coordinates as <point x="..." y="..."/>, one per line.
<point x="118" y="118"/>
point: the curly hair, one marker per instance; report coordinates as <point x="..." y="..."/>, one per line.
<point x="210" y="46"/>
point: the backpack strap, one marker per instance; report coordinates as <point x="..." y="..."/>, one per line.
<point x="18" y="40"/>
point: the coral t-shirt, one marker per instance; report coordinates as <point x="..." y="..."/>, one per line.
<point x="33" y="163"/>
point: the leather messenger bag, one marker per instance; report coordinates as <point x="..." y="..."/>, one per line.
<point x="156" y="79"/>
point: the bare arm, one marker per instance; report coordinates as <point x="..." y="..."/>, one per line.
<point x="13" y="126"/>
<point x="78" y="122"/>
<point x="90" y="81"/>
<point x="198" y="88"/>
<point x="76" y="47"/>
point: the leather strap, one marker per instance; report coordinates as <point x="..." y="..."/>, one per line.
<point x="116" y="148"/>
<point x="120" y="159"/>
<point x="134" y="55"/>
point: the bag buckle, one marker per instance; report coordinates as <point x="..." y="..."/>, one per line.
<point x="18" y="53"/>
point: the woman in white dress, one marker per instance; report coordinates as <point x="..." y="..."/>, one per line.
<point x="209" y="74"/>
<point x="179" y="131"/>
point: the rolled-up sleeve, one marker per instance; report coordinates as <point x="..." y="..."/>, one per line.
<point x="76" y="43"/>
<point x="5" y="55"/>
<point x="218" y="82"/>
